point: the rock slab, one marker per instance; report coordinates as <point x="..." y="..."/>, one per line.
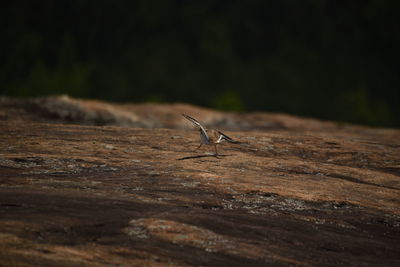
<point x="91" y="183"/>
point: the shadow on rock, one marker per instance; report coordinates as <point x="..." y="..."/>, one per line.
<point x="203" y="156"/>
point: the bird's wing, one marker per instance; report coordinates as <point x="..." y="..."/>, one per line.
<point x="223" y="136"/>
<point x="197" y="123"/>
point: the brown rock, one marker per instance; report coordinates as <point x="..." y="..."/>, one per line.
<point x="295" y="192"/>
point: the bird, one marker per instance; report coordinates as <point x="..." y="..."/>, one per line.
<point x="210" y="137"/>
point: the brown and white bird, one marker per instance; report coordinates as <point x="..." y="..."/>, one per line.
<point x="210" y="137"/>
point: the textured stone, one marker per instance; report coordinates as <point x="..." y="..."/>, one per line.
<point x="294" y="192"/>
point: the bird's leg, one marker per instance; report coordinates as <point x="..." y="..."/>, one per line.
<point x="198" y="147"/>
<point x="216" y="152"/>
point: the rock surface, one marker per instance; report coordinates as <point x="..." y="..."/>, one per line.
<point x="98" y="184"/>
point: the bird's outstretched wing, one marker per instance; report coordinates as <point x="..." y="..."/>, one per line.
<point x="197" y="123"/>
<point x="223" y="136"/>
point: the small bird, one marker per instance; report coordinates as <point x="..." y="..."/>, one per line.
<point x="210" y="137"/>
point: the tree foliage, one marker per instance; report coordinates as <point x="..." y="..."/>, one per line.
<point x="329" y="59"/>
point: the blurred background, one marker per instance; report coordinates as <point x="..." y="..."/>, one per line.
<point x="329" y="59"/>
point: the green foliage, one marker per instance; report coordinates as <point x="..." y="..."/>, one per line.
<point x="228" y="100"/>
<point x="329" y="59"/>
<point x="361" y="107"/>
<point x="42" y="80"/>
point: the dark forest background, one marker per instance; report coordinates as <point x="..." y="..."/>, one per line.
<point x="328" y="59"/>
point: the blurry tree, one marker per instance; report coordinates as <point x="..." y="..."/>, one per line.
<point x="329" y="59"/>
